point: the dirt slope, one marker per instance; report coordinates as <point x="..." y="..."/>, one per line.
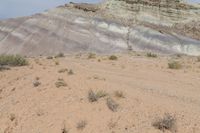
<point x="150" y="89"/>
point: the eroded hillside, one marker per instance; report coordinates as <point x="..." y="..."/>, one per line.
<point x="112" y="26"/>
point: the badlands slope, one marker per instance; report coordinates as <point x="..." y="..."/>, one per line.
<point x="160" y="26"/>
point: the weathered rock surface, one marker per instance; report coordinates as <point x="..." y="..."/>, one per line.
<point x="113" y="26"/>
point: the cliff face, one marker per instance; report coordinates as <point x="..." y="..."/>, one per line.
<point x="113" y="26"/>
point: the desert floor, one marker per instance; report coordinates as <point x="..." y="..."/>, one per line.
<point x="144" y="88"/>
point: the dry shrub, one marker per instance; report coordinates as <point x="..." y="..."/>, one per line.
<point x="81" y="125"/>
<point x="113" y="57"/>
<point x="62" y="70"/>
<point x="152" y="55"/>
<point x="91" y="56"/>
<point x="168" y="122"/>
<point x="92" y="96"/>
<point x="174" y="65"/>
<point x="112" y="105"/>
<point x="60" y="83"/>
<point x="119" y="94"/>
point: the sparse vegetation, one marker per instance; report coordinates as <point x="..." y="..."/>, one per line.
<point x="60" y="83"/>
<point x="112" y="105"/>
<point x="119" y="94"/>
<point x="91" y="56"/>
<point x="81" y="125"/>
<point x="62" y="70"/>
<point x="152" y="55"/>
<point x="113" y="57"/>
<point x="168" y="122"/>
<point x="12" y="60"/>
<point x="174" y="65"/>
<point x="59" y="55"/>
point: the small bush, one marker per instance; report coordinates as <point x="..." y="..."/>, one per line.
<point x="60" y="55"/>
<point x="12" y="60"/>
<point x="113" y="57"/>
<point x="112" y="105"/>
<point x="152" y="55"/>
<point x="91" y="56"/>
<point x="81" y="125"/>
<point x="60" y="83"/>
<point x="119" y="94"/>
<point x="174" y="65"/>
<point x="168" y="122"/>
<point x="92" y="97"/>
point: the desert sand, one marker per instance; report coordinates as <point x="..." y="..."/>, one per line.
<point x="30" y="101"/>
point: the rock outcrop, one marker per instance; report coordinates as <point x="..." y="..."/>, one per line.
<point x="163" y="26"/>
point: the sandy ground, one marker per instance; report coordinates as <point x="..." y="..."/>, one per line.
<point x="150" y="89"/>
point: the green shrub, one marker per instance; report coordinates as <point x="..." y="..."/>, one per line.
<point x="152" y="55"/>
<point x="113" y="57"/>
<point x="174" y="65"/>
<point x="12" y="60"/>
